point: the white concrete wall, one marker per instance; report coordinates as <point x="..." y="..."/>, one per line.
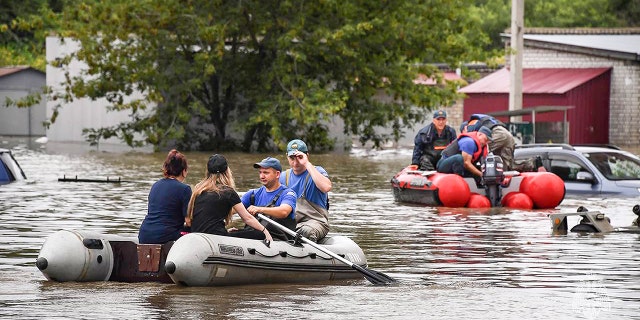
<point x="625" y="88"/>
<point x="81" y="113"/>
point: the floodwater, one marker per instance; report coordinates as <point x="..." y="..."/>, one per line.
<point x="449" y="263"/>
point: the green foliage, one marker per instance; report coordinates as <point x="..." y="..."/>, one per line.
<point x="24" y="102"/>
<point x="271" y="70"/>
<point x="570" y="14"/>
<point x="628" y="11"/>
<point x="23" y="28"/>
<point x="494" y="16"/>
<point x="254" y="74"/>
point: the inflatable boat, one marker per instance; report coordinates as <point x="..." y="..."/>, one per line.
<point x="199" y="259"/>
<point x="70" y="255"/>
<point x="195" y="260"/>
<point x="522" y="190"/>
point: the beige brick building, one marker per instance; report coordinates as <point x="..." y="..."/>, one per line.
<point x="595" y="48"/>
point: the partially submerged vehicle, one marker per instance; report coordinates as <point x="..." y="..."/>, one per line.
<point x="9" y="168"/>
<point x="588" y="169"/>
<point x="590" y="222"/>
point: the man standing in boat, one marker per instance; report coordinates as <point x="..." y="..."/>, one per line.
<point x="272" y="198"/>
<point x="312" y="185"/>
<point x="431" y="140"/>
<point x="462" y="154"/>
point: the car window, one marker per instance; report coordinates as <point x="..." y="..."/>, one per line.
<point x="616" y="166"/>
<point x="566" y="169"/>
<point x="566" y="166"/>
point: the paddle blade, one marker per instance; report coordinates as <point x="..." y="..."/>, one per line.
<point x="373" y="276"/>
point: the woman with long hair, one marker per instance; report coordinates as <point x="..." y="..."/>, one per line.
<point x="214" y="201"/>
<point x="168" y="202"/>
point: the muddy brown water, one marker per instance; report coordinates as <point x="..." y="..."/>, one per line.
<point x="454" y="263"/>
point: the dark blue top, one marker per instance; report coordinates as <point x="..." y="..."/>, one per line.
<point x="168" y="202"/>
<point x="483" y="120"/>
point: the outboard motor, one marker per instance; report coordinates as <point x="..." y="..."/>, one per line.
<point x="493" y="175"/>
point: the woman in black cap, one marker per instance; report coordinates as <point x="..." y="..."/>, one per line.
<point x="214" y="201"/>
<point x="168" y="201"/>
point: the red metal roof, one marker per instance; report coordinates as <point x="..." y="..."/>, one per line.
<point x="447" y="76"/>
<point x="543" y="80"/>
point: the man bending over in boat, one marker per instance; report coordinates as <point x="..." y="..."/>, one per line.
<point x="502" y="142"/>
<point x="214" y="201"/>
<point x="461" y="155"/>
<point x="272" y="198"/>
<point x="311" y="184"/>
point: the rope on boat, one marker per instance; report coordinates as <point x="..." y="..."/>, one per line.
<point x="285" y="254"/>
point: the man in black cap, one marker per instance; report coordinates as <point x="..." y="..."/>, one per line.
<point x="431" y="140"/>
<point x="272" y="198"/>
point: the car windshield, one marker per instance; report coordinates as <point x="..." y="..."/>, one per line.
<point x="616" y="166"/>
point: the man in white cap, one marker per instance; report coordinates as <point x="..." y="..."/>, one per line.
<point x="311" y="184"/>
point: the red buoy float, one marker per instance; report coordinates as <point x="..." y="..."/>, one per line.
<point x="545" y="189"/>
<point x="478" y="201"/>
<point x="517" y="200"/>
<point x="453" y="191"/>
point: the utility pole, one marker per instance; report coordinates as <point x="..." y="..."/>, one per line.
<point x="517" y="31"/>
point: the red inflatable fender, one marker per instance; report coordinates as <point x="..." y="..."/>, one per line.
<point x="517" y="200"/>
<point x="545" y="189"/>
<point x="478" y="201"/>
<point x="453" y="191"/>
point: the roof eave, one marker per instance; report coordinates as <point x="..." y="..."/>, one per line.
<point x="582" y="50"/>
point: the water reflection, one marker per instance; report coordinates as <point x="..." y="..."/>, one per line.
<point x="462" y="263"/>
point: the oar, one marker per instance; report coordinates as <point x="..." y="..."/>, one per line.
<point x="374" y="276"/>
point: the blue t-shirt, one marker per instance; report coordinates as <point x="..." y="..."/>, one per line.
<point x="168" y="202"/>
<point x="309" y="190"/>
<point x="468" y="145"/>
<point x="263" y="198"/>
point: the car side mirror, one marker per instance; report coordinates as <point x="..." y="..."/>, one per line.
<point x="585" y="176"/>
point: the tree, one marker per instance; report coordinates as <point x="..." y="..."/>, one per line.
<point x="271" y="70"/>
<point x="23" y="25"/>
<point x="571" y="14"/>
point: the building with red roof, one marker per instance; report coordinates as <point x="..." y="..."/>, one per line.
<point x="595" y="72"/>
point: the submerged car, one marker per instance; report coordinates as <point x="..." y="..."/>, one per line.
<point x="588" y="169"/>
<point x="9" y="168"/>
